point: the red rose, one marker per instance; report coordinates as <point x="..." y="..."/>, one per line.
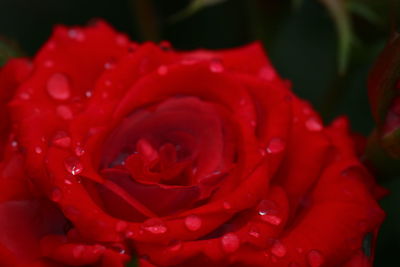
<point x="178" y="158"/>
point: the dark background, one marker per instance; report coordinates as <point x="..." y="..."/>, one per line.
<point x="300" y="37"/>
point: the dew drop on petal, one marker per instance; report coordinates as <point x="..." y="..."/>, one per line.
<point x="61" y="139"/>
<point x="48" y="63"/>
<point x="24" y="96"/>
<point x="88" y="94"/>
<point x="272" y="219"/>
<point x="267" y="73"/>
<point x="14" y="144"/>
<point x="315" y="258"/>
<point x="313" y="124"/>
<point x="216" y="66"/>
<point x="266" y="207"/>
<point x="38" y="150"/>
<point x="254" y="232"/>
<point x="165" y="46"/>
<point x="129" y="234"/>
<point x="155" y="226"/>
<point x="58" y="86"/>
<point x="276" y="145"/>
<point x="64" y="112"/>
<point x="76" y="35"/>
<point x="226" y="205"/>
<point x="56" y="194"/>
<point x="79" y="150"/>
<point x="162" y="70"/>
<point x="68" y="181"/>
<point x="278" y="249"/>
<point x="73" y="165"/>
<point x="175" y="246"/>
<point x="193" y="222"/>
<point x="230" y="242"/>
<point x="122" y="40"/>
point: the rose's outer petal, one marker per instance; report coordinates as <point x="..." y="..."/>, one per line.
<point x="11" y="76"/>
<point x="60" y="249"/>
<point x="236" y="59"/>
<point x="66" y="69"/>
<point x="24" y="222"/>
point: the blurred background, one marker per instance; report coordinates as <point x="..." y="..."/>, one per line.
<point x="325" y="47"/>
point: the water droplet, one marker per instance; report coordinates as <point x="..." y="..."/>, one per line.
<point x="313" y="124"/>
<point x="24" y="96"/>
<point x="129" y="234"/>
<point x="226" y="205"/>
<point x="254" y="232"/>
<point x="121" y="226"/>
<point x="175" y="245"/>
<point x="276" y="145"/>
<point x="77" y="251"/>
<point x="88" y="94"/>
<point x="119" y="248"/>
<point x="165" y="46"/>
<point x="76" y="35"/>
<point x="253" y="123"/>
<point x="48" y="63"/>
<point x="14" y="144"/>
<point x="162" y="70"/>
<point x="267" y="73"/>
<point x="278" y="249"/>
<point x="230" y="242"/>
<point x="58" y="86"/>
<point x="315" y="258"/>
<point x="73" y="165"/>
<point x="38" y="150"/>
<point x="122" y="40"/>
<point x="155" y="226"/>
<point x="56" y="195"/>
<point x="193" y="222"/>
<point x="62" y="139"/>
<point x="79" y="151"/>
<point x="266" y="207"/>
<point x="68" y="181"/>
<point x="109" y="65"/>
<point x="216" y="66"/>
<point x="272" y="219"/>
<point x="51" y="46"/>
<point x="64" y="112"/>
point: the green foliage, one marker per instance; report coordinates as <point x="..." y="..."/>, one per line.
<point x="8" y="50"/>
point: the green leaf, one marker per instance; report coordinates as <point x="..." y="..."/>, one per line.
<point x="133" y="263"/>
<point x="365" y="11"/>
<point x="297" y="3"/>
<point x="8" y="49"/>
<point x="194" y="7"/>
<point x="341" y="16"/>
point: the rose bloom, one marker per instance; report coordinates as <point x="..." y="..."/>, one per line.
<point x="112" y="151"/>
